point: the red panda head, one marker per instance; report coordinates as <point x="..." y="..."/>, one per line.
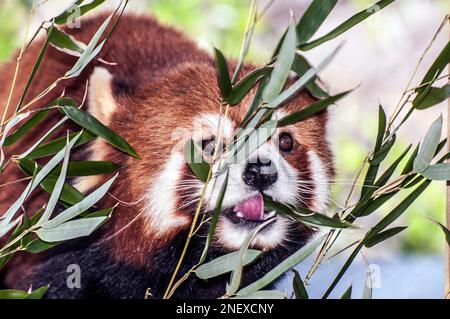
<point x="293" y="167"/>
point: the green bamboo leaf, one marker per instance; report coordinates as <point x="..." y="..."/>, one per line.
<point x="241" y="88"/>
<point x="39" y="177"/>
<point x="409" y="164"/>
<point x="282" y="65"/>
<point x="88" y="168"/>
<point x="225" y="264"/>
<point x="384" y="150"/>
<point x="80" y="207"/>
<point x="300" y="66"/>
<point x="301" y="82"/>
<point x="93" y="125"/>
<point x="38" y="293"/>
<point x="343" y="270"/>
<point x="236" y="274"/>
<point x="194" y="158"/>
<point x="72" y="229"/>
<point x="348" y="293"/>
<point x="348" y="24"/>
<point x="42" y="138"/>
<point x="38" y="245"/>
<point x="304" y="215"/>
<point x="54" y="196"/>
<point x="214" y="219"/>
<point x="75" y="8"/>
<point x="223" y="75"/>
<point x="7" y="227"/>
<point x="69" y="194"/>
<point x="313" y="18"/>
<point x="310" y="110"/>
<point x="54" y="146"/>
<point x="436" y="68"/>
<point x="444" y="229"/>
<point x="299" y="289"/>
<point x="437" y="172"/>
<point x="284" y="266"/>
<point x="66" y="43"/>
<point x="263" y="294"/>
<point x="35" y="68"/>
<point x="381" y="128"/>
<point x="25" y="127"/>
<point x="398" y="210"/>
<point x="434" y="96"/>
<point x="428" y="146"/>
<point x="382" y="236"/>
<point x="13" y="294"/>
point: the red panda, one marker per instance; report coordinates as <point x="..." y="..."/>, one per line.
<point x="154" y="89"/>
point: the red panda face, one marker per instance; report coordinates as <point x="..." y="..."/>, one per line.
<point x="293" y="167"/>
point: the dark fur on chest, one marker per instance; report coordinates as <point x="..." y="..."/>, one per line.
<point x="104" y="277"/>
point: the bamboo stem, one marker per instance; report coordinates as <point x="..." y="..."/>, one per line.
<point x="447" y="248"/>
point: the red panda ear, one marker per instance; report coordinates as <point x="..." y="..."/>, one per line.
<point x="101" y="102"/>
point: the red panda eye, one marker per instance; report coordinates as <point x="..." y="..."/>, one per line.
<point x="285" y="142"/>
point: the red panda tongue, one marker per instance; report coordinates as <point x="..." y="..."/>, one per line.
<point x="252" y="208"/>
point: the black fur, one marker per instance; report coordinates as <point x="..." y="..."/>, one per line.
<point x="103" y="277"/>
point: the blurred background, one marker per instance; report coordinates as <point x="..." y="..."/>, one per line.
<point x="379" y="57"/>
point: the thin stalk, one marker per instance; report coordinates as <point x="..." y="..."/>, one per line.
<point x="19" y="58"/>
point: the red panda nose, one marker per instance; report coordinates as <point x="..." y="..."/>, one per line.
<point x="261" y="174"/>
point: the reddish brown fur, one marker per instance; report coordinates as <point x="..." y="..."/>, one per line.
<point x="161" y="69"/>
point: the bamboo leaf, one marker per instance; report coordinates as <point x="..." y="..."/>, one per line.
<point x="301" y="82"/>
<point x="444" y="229"/>
<point x="310" y="110"/>
<point x="69" y="194"/>
<point x="282" y="65"/>
<point x="436" y="68"/>
<point x="241" y="88"/>
<point x="66" y="43"/>
<point x="25" y="127"/>
<point x="434" y="96"/>
<point x="313" y="18"/>
<point x="38" y="293"/>
<point x="428" y="146"/>
<point x="299" y="289"/>
<point x="71" y="229"/>
<point x="437" y="172"/>
<point x="284" y="266"/>
<point x="348" y="24"/>
<point x="223" y="75"/>
<point x="88" y="168"/>
<point x="81" y="206"/>
<point x="93" y="125"/>
<point x="398" y="210"/>
<point x="304" y="215"/>
<point x="343" y="270"/>
<point x="75" y="8"/>
<point x="384" y="150"/>
<point x="53" y="147"/>
<point x="236" y="274"/>
<point x="225" y="264"/>
<point x="54" y="196"/>
<point x="214" y="219"/>
<point x="382" y="236"/>
<point x="348" y="293"/>
<point x="197" y="164"/>
<point x="300" y="66"/>
<point x="38" y="245"/>
<point x="9" y="214"/>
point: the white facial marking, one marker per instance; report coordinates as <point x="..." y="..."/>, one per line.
<point x="160" y="206"/>
<point x="321" y="182"/>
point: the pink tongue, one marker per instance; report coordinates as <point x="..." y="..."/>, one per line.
<point x="252" y="208"/>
